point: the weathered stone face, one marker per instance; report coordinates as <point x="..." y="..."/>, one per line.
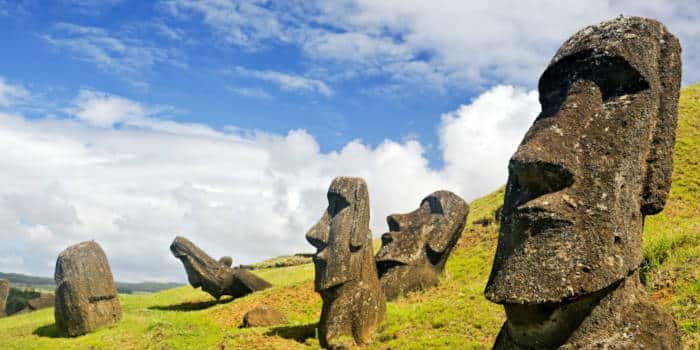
<point x="597" y="160"/>
<point x="342" y="233"/>
<point x="415" y="249"/>
<point x="4" y="293"/>
<point x="346" y="275"/>
<point x="86" y="297"/>
<point x="215" y="277"/>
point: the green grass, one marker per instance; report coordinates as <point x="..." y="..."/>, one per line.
<point x="453" y="315"/>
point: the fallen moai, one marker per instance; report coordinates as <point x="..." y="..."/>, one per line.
<point x="345" y="271"/>
<point x="215" y="277"/>
<point x="86" y="297"/>
<point x="596" y="161"/>
<point x="416" y="248"/>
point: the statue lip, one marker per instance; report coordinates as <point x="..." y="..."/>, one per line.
<point x="388" y="264"/>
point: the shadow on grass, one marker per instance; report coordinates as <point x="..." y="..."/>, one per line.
<point x="299" y="333"/>
<point x="191" y="306"/>
<point x="47" y="331"/>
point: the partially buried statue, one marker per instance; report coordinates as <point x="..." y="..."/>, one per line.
<point x="215" y="277"/>
<point x="346" y="275"/>
<point x="86" y="295"/>
<point x="596" y="161"/>
<point x="416" y="248"/>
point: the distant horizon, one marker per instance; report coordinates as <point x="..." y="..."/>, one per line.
<point x="132" y="122"/>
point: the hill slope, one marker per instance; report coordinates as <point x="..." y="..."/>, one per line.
<point x="453" y="315"/>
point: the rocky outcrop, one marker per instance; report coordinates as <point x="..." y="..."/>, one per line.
<point x="345" y="272"/>
<point x="596" y="161"/>
<point x="86" y="297"/>
<point x="416" y="248"/>
<point x="215" y="277"/>
<point x="263" y="316"/>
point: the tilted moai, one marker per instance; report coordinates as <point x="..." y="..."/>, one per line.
<point x="346" y="275"/>
<point x="86" y="297"/>
<point x="215" y="277"/>
<point x="596" y="161"/>
<point x="416" y="248"/>
<point x="4" y="293"/>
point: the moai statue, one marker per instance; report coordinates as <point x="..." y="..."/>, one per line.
<point x="596" y="161"/>
<point x="86" y="296"/>
<point x="215" y="277"/>
<point x="346" y="275"/>
<point x="416" y="248"/>
<point x="4" y="293"/>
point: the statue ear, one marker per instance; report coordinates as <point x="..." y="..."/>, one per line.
<point x="360" y="233"/>
<point x="660" y="157"/>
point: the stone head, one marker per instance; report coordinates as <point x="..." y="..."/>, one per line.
<point x="597" y="159"/>
<point x="342" y="236"/>
<point x="202" y="270"/>
<point x="418" y="243"/>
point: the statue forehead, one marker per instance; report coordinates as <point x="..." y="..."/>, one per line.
<point x="632" y="41"/>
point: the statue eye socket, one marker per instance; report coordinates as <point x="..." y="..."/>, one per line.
<point x="336" y="203"/>
<point x="434" y="204"/>
<point x="614" y="75"/>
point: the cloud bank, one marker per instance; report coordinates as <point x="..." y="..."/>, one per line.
<point x="117" y="172"/>
<point x="438" y="44"/>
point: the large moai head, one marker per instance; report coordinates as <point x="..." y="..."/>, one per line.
<point x="597" y="159"/>
<point x="342" y="236"/>
<point x="414" y="251"/>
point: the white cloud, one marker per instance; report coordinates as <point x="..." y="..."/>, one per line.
<point x="105" y="110"/>
<point x="112" y="52"/>
<point x="243" y="23"/>
<point x="250" y="92"/>
<point x="12" y="261"/>
<point x="9" y="93"/>
<point x="464" y="43"/>
<point x="285" y="81"/>
<point x="251" y="196"/>
<point x="478" y="139"/>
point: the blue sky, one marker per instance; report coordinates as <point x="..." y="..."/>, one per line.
<point x="182" y="63"/>
<point x="131" y="121"/>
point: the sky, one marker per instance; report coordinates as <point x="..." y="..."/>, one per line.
<point x="131" y="122"/>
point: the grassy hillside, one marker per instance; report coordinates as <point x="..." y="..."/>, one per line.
<point x="453" y="315"/>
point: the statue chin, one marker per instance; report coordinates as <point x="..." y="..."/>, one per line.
<point x="549" y="324"/>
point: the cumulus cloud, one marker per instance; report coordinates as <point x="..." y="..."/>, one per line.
<point x="118" y="173"/>
<point x="485" y="132"/>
